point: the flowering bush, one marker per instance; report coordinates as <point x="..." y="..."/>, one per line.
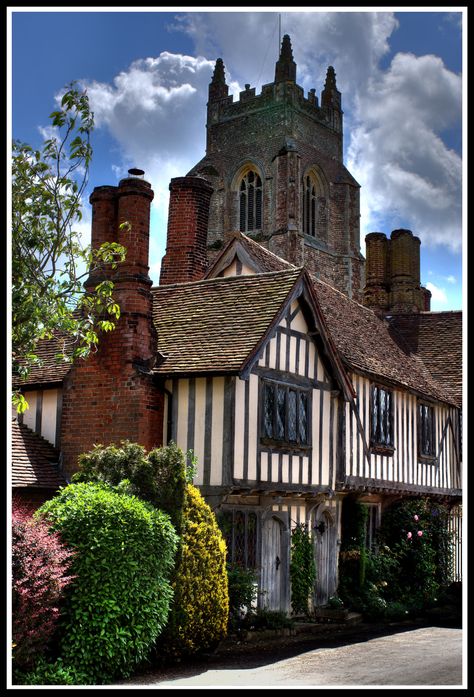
<point x="40" y="571"/>
<point x="410" y="565"/>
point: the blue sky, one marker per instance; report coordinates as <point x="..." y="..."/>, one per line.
<point x="147" y="74"/>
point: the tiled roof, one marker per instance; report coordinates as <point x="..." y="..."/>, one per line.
<point x="366" y="342"/>
<point x="436" y="338"/>
<point x="34" y="460"/>
<point x="50" y="370"/>
<point x="215" y="325"/>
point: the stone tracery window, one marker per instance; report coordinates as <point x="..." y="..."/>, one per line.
<point x="310" y="206"/>
<point x="314" y="204"/>
<point x="250" y="201"/>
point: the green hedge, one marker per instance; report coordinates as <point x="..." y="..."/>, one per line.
<point x="119" y="601"/>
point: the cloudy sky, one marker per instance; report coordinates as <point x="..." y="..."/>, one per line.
<point x="147" y="74"/>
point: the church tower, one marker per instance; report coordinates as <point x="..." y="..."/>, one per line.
<point x="274" y="161"/>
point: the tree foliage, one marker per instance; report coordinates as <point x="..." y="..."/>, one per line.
<point x="49" y="259"/>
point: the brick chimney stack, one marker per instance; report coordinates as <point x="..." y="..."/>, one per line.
<point x="186" y="246"/>
<point x="112" y="396"/>
<point x="393" y="274"/>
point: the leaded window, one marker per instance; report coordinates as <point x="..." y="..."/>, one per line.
<point x="250" y="198"/>
<point x="381" y="431"/>
<point x="285" y="411"/>
<point x="240" y="531"/>
<point x="426" y="430"/>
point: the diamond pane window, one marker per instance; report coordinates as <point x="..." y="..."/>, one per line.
<point x="268" y="410"/>
<point x="303" y="417"/>
<point x="292" y="415"/>
<point x="280" y="412"/>
<point x="285" y="414"/>
<point x="426" y="430"/>
<point x="381" y="417"/>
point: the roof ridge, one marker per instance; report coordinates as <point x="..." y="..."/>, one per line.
<point x="227" y="279"/>
<point x="240" y="236"/>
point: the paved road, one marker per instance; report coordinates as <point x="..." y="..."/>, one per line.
<point x="426" y="656"/>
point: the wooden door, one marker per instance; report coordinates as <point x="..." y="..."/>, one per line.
<point x="325" y="557"/>
<point x="273" y="566"/>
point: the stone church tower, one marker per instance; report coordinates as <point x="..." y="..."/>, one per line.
<point x="274" y="161"/>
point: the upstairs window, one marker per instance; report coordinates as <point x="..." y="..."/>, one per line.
<point x="250" y="202"/>
<point x="381" y="418"/>
<point x="285" y="415"/>
<point x="310" y="207"/>
<point x="426" y="430"/>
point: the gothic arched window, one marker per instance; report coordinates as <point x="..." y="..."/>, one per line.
<point x="250" y="200"/>
<point x="310" y="206"/>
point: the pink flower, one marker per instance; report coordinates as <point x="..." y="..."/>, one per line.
<point x="415" y="517"/>
<point x="419" y="533"/>
<point x="409" y="535"/>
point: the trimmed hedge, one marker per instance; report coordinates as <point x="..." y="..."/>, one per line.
<point x="119" y="602"/>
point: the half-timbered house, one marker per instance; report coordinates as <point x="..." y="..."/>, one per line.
<point x="297" y="387"/>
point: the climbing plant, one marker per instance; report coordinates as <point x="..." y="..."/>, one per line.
<point x="302" y="568"/>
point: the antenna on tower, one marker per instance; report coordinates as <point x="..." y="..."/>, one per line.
<point x="279" y="34"/>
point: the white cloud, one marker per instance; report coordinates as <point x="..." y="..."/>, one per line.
<point x="394" y="118"/>
<point x="397" y="154"/>
<point x="438" y="295"/>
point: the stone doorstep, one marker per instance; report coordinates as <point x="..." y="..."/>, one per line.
<point x="300" y="627"/>
<point x="340" y="616"/>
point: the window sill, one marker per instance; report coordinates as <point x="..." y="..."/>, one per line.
<point x="283" y="445"/>
<point x="428" y="459"/>
<point x="382" y="449"/>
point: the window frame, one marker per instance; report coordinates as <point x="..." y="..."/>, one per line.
<point x="230" y="535"/>
<point x="277" y="387"/>
<point x="251" y="193"/>
<point x="420" y="420"/>
<point x="384" y="419"/>
<point x="310" y="206"/>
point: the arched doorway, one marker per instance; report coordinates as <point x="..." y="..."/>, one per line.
<point x="274" y="580"/>
<point x="325" y="553"/>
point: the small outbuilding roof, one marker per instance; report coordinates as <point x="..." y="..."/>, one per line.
<point x="34" y="460"/>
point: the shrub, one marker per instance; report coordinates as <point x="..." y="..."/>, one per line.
<point x="51" y="674"/>
<point x="243" y="592"/>
<point x="158" y="477"/>
<point x="302" y="569"/>
<point x="416" y="533"/>
<point x="200" y="610"/>
<point x="271" y="619"/>
<point x="119" y="601"/>
<point x="40" y="575"/>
